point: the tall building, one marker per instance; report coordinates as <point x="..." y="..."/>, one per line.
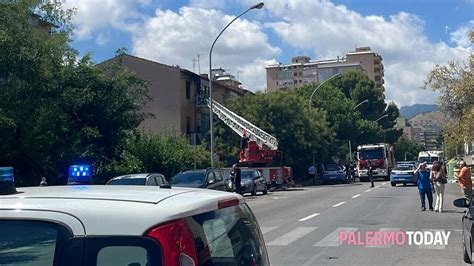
<point x="303" y="71"/>
<point x="178" y="97"/>
<point x="430" y="125"/>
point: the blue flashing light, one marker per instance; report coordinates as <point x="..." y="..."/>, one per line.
<point x="6" y="174"/>
<point x="80" y="171"/>
<point x="7" y="181"/>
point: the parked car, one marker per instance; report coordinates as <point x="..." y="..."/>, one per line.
<point x="467" y="227"/>
<point x="333" y="173"/>
<point x="149" y="179"/>
<point x="403" y="174"/>
<point x="202" y="178"/>
<point x="128" y="225"/>
<point x="253" y="182"/>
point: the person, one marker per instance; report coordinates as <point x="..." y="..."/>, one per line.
<point x="237" y="178"/>
<point x="424" y="186"/>
<point x="438" y="177"/>
<point x="312" y="173"/>
<point x="320" y="170"/>
<point x="43" y="182"/>
<point x="370" y="174"/>
<point x="244" y="142"/>
<point x="464" y="179"/>
<point x="347" y="171"/>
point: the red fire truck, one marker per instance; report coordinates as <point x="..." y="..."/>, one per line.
<point x="381" y="158"/>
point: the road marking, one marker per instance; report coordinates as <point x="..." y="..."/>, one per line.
<point x="275" y="197"/>
<point x="368" y="190"/>
<point x="267" y="229"/>
<point x="332" y="240"/>
<point x="378" y="186"/>
<point x="355" y="196"/>
<point x="292" y="236"/>
<point x="339" y="204"/>
<point x="308" y="217"/>
<point x="384" y="230"/>
<point x="384" y="183"/>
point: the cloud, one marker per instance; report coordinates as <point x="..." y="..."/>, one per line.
<point x="330" y="30"/>
<point x="102" y="39"/>
<point x="177" y="37"/>
<point x="460" y="37"/>
<point x="93" y="16"/>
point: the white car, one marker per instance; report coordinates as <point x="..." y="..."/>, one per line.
<point x="127" y="225"/>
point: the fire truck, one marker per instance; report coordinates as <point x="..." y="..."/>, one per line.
<point x="261" y="149"/>
<point x="381" y="158"/>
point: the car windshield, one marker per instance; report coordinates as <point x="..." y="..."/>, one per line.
<point x="127" y="181"/>
<point x="403" y="168"/>
<point x="191" y="179"/>
<point x="247" y="175"/>
<point x="332" y="167"/>
<point x="370" y="154"/>
<point x="428" y="159"/>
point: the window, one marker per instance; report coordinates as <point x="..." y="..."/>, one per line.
<point x="295" y="74"/>
<point x="122" y="255"/>
<point x="151" y="181"/>
<point x="31" y="243"/>
<point x="218" y="176"/>
<point x="188" y="89"/>
<point x="229" y="236"/>
<point x="188" y="124"/>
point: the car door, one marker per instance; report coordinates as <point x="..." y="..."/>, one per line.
<point x="220" y="182"/>
<point x="467" y="221"/>
<point x="211" y="181"/>
<point x="259" y="180"/>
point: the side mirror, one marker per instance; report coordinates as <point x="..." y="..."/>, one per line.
<point x="211" y="181"/>
<point x="461" y="203"/>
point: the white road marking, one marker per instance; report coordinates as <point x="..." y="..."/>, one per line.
<point x="378" y="186"/>
<point x="308" y="217"/>
<point x="275" y="197"/>
<point x="339" y="204"/>
<point x="368" y="190"/>
<point x="292" y="236"/>
<point x="355" y="196"/>
<point x="267" y="229"/>
<point x="384" y="230"/>
<point x="332" y="240"/>
<point x="384" y="183"/>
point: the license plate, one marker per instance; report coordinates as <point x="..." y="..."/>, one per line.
<point x="332" y="177"/>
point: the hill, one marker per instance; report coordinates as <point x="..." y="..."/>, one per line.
<point x="410" y="111"/>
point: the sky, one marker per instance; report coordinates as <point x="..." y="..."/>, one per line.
<point x="412" y="36"/>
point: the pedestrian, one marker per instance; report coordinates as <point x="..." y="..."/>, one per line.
<point x="424" y="186"/>
<point x="464" y="179"/>
<point x="312" y="173"/>
<point x="347" y="171"/>
<point x="320" y="170"/>
<point x="43" y="182"/>
<point x="237" y="178"/>
<point x="244" y="142"/>
<point x="370" y="174"/>
<point x="438" y="177"/>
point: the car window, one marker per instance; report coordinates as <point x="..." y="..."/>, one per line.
<point x="218" y="176"/>
<point x="403" y="167"/>
<point x="151" y="181"/>
<point x="332" y="167"/>
<point x="229" y="236"/>
<point x="247" y="174"/>
<point x="189" y="178"/>
<point x="122" y="255"/>
<point x="211" y="176"/>
<point x="31" y="242"/>
<point x="128" y="181"/>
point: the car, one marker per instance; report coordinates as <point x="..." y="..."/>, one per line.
<point x="201" y="178"/>
<point x="252" y="182"/>
<point x="333" y="173"/>
<point x="403" y="174"/>
<point x="128" y="225"/>
<point x="467" y="227"/>
<point x="149" y="179"/>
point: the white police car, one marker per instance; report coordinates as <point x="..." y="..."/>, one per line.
<point x="126" y="225"/>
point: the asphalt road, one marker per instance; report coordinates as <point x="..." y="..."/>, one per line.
<point x="302" y="226"/>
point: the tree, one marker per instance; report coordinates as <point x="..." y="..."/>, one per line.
<point x="57" y="110"/>
<point x="406" y="149"/>
<point x="455" y="81"/>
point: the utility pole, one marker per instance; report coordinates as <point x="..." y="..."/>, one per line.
<point x="194" y="65"/>
<point x="350" y="151"/>
<point x="199" y="63"/>
<point x="238" y="74"/>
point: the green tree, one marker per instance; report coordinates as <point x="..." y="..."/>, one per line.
<point x="406" y="149"/>
<point x="57" y="110"/>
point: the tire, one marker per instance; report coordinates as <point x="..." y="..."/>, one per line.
<point x="393" y="184"/>
<point x="386" y="178"/>
<point x="363" y="179"/>
<point x="265" y="191"/>
<point x="404" y="184"/>
<point x="254" y="190"/>
<point x="465" y="255"/>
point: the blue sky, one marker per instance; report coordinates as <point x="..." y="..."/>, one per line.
<point x="411" y="36"/>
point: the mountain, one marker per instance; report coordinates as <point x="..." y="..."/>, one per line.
<point x="410" y="111"/>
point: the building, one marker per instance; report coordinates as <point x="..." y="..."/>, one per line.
<point x="430" y="125"/>
<point x="411" y="133"/>
<point x="303" y="71"/>
<point x="41" y="24"/>
<point x="179" y="97"/>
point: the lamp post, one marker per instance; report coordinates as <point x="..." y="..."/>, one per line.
<point x="383" y="116"/>
<point x="257" y="6"/>
<point x="312" y="94"/>
<point x="359" y="104"/>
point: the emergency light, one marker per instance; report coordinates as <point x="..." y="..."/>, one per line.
<point x="80" y="174"/>
<point x="7" y="181"/>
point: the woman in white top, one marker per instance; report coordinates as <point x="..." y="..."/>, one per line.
<point x="438" y="177"/>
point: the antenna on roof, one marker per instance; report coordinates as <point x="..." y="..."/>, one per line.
<point x="199" y="63"/>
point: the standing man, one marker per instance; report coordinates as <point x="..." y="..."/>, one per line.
<point x="312" y="173"/>
<point x="464" y="179"/>
<point x="244" y="142"/>
<point x="424" y="186"/>
<point x="237" y="178"/>
<point x="370" y="173"/>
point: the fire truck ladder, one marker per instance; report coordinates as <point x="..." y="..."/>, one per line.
<point x="239" y="124"/>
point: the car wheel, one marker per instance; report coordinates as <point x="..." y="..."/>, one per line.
<point x="393" y="184"/>
<point x="404" y="184"/>
<point x="466" y="256"/>
<point x="254" y="190"/>
<point x="386" y="178"/>
<point x="265" y="191"/>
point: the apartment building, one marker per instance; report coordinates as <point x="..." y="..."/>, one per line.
<point x="430" y="125"/>
<point x="178" y="97"/>
<point x="303" y="71"/>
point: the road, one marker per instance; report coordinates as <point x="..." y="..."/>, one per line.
<point x="302" y="226"/>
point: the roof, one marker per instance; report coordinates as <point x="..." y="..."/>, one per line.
<point x="107" y="210"/>
<point x="142" y="175"/>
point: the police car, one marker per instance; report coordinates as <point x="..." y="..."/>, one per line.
<point x="125" y="225"/>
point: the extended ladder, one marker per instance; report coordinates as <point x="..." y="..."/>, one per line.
<point x="239" y="124"/>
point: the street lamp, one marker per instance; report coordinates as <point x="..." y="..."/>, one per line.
<point x="364" y="101"/>
<point x="257" y="6"/>
<point x="311" y="97"/>
<point x="383" y="116"/>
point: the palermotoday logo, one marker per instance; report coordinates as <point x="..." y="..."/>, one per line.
<point x="394" y="238"/>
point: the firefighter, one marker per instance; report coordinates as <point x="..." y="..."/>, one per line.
<point x="244" y="142"/>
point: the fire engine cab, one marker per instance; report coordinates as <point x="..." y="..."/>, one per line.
<point x="381" y="158"/>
